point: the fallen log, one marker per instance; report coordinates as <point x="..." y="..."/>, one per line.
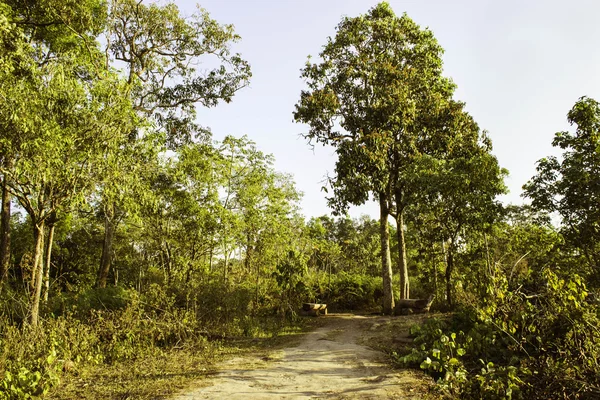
<point x="313" y="309"/>
<point x="416" y="305"/>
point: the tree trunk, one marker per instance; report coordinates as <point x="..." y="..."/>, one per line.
<point x="257" y="287"/>
<point x="483" y="281"/>
<point x="4" y="234"/>
<point x="404" y="282"/>
<point x="449" y="268"/>
<point x="386" y="259"/>
<point x="109" y="236"/>
<point x="445" y="258"/>
<point x="249" y="251"/>
<point x="168" y="263"/>
<point x="37" y="275"/>
<point x="48" y="262"/>
<point x="226" y="255"/>
<point x="141" y="273"/>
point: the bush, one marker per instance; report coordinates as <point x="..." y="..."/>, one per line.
<point x="111" y="298"/>
<point x="33" y="360"/>
<point x="345" y="291"/>
<point x="516" y="345"/>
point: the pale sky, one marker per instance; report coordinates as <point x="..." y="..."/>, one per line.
<point x="519" y="65"/>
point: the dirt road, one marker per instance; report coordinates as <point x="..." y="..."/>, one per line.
<point x="332" y="362"/>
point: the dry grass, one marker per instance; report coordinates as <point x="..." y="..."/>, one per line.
<point x="174" y="370"/>
<point x="159" y="376"/>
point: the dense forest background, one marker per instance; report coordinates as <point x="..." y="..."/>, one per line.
<point x="127" y="231"/>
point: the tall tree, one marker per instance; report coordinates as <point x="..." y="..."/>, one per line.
<point x="64" y="126"/>
<point x="434" y="125"/>
<point x="377" y="77"/>
<point x="569" y="186"/>
<point x="215" y="201"/>
<point x="33" y="35"/>
<point x="458" y="192"/>
<point x="15" y="63"/>
<point x="160" y="50"/>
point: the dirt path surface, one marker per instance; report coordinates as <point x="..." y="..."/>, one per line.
<point x="332" y="362"/>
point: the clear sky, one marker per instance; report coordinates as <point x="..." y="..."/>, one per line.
<point x="519" y="65"/>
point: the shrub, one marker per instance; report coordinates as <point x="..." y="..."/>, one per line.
<point x="516" y="344"/>
<point x="33" y="360"/>
<point x="346" y="291"/>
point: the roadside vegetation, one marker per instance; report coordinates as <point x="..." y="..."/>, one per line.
<point x="135" y="250"/>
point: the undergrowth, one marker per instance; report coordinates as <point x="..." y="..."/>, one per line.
<point x="86" y="339"/>
<point x="515" y="344"/>
<point x="103" y="330"/>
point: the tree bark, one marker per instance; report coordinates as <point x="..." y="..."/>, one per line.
<point x="445" y="258"/>
<point x="48" y="261"/>
<point x="109" y="235"/>
<point x="37" y="275"/>
<point x="257" y="286"/>
<point x="168" y="263"/>
<point x="386" y="259"/>
<point x="449" y="268"/>
<point x="249" y="250"/>
<point x="4" y="234"/>
<point x="404" y="282"/>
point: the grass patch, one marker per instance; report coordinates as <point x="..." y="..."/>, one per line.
<point x="143" y="378"/>
<point x="172" y="370"/>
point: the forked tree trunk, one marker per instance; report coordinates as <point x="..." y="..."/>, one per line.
<point x="403" y="266"/>
<point x="109" y="236"/>
<point x="4" y="234"/>
<point x="386" y="259"/>
<point x="37" y="274"/>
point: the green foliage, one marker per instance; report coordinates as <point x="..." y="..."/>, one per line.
<point x="289" y="276"/>
<point x="344" y="244"/>
<point x="34" y="360"/>
<point x="206" y="241"/>
<point x="160" y="49"/>
<point x="456" y="193"/>
<point x="568" y="185"/>
<point x="290" y="271"/>
<point x="378" y="96"/>
<point x="439" y="354"/>
<point x="354" y="292"/>
<point x="29" y="365"/>
<point x="516" y="345"/>
<point x="26" y="384"/>
<point x="109" y="299"/>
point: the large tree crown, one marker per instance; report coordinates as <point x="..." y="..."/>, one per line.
<point x="373" y="75"/>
